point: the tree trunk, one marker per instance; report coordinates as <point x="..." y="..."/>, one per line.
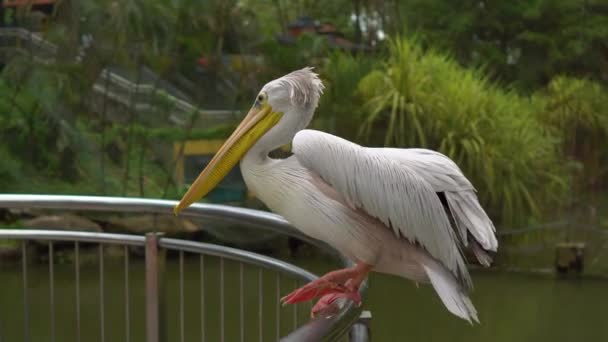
<point x="1" y="14"/>
<point x="358" y="33"/>
<point x="68" y="15"/>
<point x="281" y="15"/>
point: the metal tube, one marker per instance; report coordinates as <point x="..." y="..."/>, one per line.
<point x="62" y="235"/>
<point x="26" y="306"/>
<point x="360" y="330"/>
<point x="102" y="323"/>
<point x="202" y="286"/>
<point x="162" y="312"/>
<point x="127" y="297"/>
<point x="77" y="272"/>
<point x="261" y="300"/>
<point x="249" y="217"/>
<point x="237" y="255"/>
<point x="181" y="296"/>
<point x="155" y="331"/>
<point x="278" y="306"/>
<point x="241" y="303"/>
<point x="222" y="299"/>
<point x="52" y="291"/>
<point x="201" y="248"/>
<point x="152" y="294"/>
<point x="174" y="244"/>
<point x="260" y="219"/>
<point x="295" y="307"/>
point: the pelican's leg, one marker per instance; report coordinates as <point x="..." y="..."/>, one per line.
<point x="331" y="286"/>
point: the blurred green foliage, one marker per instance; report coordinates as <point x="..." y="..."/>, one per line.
<point x="577" y="111"/>
<point x="514" y="92"/>
<point x="523" y="43"/>
<point x="340" y="103"/>
<point x="423" y="98"/>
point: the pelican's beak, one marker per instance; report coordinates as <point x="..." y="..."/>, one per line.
<point x="258" y="121"/>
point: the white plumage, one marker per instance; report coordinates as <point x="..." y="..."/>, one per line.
<point x="380" y="207"/>
<point x="385" y="189"/>
<point x="446" y="177"/>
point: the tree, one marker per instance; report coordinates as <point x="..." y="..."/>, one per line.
<point x="521" y="42"/>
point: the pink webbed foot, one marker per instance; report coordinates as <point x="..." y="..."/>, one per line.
<point x="312" y="290"/>
<point x="342" y="283"/>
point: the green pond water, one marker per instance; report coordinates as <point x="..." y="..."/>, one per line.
<point x="512" y="307"/>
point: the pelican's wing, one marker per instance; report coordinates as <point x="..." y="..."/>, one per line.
<point x="446" y="177"/>
<point x="385" y="189"/>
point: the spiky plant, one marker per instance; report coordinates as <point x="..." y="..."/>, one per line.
<point x="421" y="98"/>
<point x="340" y="104"/>
<point x="577" y="110"/>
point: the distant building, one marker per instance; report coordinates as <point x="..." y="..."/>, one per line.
<point x="38" y="12"/>
<point x="335" y="38"/>
<point x="192" y="156"/>
<point x="38" y="5"/>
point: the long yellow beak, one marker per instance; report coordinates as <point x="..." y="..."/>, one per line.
<point x="257" y="122"/>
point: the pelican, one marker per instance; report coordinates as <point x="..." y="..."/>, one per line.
<point x="406" y="212"/>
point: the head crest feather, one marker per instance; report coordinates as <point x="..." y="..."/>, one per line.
<point x="304" y="86"/>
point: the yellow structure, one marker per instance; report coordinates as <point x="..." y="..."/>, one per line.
<point x="205" y="149"/>
<point x="192" y="147"/>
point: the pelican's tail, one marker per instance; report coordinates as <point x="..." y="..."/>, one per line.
<point x="451" y="292"/>
<point x="470" y="217"/>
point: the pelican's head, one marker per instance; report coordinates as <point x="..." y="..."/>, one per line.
<point x="282" y="108"/>
<point x="295" y="93"/>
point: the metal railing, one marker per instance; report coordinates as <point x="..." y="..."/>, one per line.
<point x="26" y="42"/>
<point x="146" y="97"/>
<point x="342" y="318"/>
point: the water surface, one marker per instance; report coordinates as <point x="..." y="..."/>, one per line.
<point x="512" y="307"/>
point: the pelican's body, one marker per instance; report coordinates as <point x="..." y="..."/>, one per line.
<point x="314" y="207"/>
<point x="380" y="207"/>
<point x="292" y="191"/>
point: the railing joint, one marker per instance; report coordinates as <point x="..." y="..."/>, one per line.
<point x="361" y="330"/>
<point x="155" y="265"/>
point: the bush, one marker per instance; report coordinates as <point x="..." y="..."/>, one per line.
<point x="9" y="169"/>
<point x="577" y="110"/>
<point x="340" y="104"/>
<point x="421" y="98"/>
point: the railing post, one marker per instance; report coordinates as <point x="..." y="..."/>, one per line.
<point x="360" y="331"/>
<point x="155" y="296"/>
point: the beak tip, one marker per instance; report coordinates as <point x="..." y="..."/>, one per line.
<point x="177" y="209"/>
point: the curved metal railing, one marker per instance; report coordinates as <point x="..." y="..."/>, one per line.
<point x="331" y="326"/>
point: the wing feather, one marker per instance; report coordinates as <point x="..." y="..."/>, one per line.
<point x="445" y="176"/>
<point x="385" y="189"/>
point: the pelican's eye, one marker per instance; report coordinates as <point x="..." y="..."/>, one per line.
<point x="260" y="100"/>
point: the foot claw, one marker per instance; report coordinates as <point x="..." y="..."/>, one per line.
<point x="324" y="302"/>
<point x="307" y="292"/>
<point x="342" y="283"/>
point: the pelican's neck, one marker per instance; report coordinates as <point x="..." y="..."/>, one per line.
<point x="280" y="135"/>
<point x="258" y="154"/>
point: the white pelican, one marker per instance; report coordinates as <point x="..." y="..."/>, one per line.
<point x="386" y="209"/>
